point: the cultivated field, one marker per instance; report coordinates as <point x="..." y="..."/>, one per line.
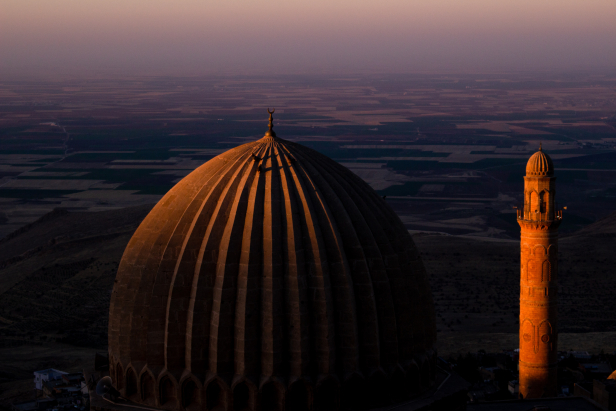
<point x="447" y="151"/>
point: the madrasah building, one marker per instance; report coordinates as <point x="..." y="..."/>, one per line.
<point x="273" y="278"/>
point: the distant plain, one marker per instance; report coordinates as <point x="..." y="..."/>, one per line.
<point x="447" y="152"/>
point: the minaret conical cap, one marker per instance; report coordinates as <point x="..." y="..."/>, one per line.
<point x="539" y="165"/>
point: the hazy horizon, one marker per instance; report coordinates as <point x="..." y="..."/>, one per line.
<point x="237" y="37"/>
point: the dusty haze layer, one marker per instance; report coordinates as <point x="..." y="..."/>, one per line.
<point x="198" y="37"/>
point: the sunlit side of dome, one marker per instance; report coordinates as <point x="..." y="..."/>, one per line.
<point x="271" y="275"/>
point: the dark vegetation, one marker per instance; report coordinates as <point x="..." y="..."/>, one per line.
<point x="57" y="275"/>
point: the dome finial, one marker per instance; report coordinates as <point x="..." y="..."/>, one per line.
<point x="270" y="132"/>
<point x="540" y="143"/>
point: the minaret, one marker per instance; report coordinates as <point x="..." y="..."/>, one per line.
<point x="539" y="221"/>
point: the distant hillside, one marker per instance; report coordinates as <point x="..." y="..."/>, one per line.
<point x="605" y="227"/>
<point x="56" y="277"/>
<point x="57" y="273"/>
<point x="476" y="284"/>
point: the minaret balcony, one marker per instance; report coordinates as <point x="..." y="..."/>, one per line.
<point x="527" y="215"/>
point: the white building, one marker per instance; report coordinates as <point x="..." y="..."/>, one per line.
<point x="46" y="375"/>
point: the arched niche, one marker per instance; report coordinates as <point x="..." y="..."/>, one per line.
<point x="271" y="397"/>
<point x="242" y="397"/>
<point x="112" y="371"/>
<point x="215" y="397"/>
<point x="400" y="387"/>
<point x="132" y="387"/>
<point x="425" y="372"/>
<point x="377" y="390"/>
<point x="298" y="397"/>
<point x="413" y="376"/>
<point x="191" y="395"/>
<point x="327" y="396"/>
<point x="119" y="380"/>
<point x="167" y="392"/>
<point x="147" y="388"/>
<point x="432" y="364"/>
<point x="534" y="202"/>
<point x="543" y="201"/>
<point x="353" y="393"/>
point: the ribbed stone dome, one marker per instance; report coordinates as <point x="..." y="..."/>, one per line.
<point x="271" y="275"/>
<point x="539" y="164"/>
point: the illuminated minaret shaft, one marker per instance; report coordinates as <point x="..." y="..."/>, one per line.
<point x="539" y="221"/>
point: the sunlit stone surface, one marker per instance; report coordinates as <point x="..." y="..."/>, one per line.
<point x="539" y="221"/>
<point x="271" y="278"/>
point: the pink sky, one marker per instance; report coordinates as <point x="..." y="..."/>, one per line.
<point x="244" y="36"/>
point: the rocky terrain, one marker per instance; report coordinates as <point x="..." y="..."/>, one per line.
<point x="56" y="277"/>
<point x="475" y="284"/>
<point x="57" y="273"/>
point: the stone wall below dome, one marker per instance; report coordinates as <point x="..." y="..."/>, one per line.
<point x="190" y="393"/>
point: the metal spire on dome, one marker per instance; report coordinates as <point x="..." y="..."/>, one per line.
<point x="540" y="143"/>
<point x="270" y="132"/>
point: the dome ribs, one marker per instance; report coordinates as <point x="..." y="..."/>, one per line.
<point x="341" y="283"/>
<point x="271" y="264"/>
<point x="319" y="286"/>
<point x="139" y="290"/>
<point x="414" y="276"/>
<point x="394" y="288"/>
<point x="204" y="307"/>
<point x="425" y="328"/>
<point x="423" y="316"/>
<point x="126" y="301"/>
<point x="539" y="165"/>
<point x="350" y="223"/>
<point x="225" y="293"/>
<point x="272" y="300"/>
<point x="411" y="279"/>
<point x="177" y="266"/>
<point x="421" y="309"/>
<point x="184" y="266"/>
<point x="382" y="289"/>
<point x="247" y="344"/>
<point x="298" y="315"/>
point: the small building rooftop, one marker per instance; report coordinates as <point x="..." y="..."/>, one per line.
<point x="50" y="370"/>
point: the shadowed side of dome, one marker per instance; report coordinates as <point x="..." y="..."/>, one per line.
<point x="539" y="164"/>
<point x="269" y="266"/>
